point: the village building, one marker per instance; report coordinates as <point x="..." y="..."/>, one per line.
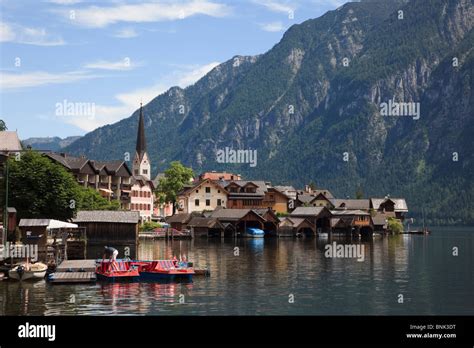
<point x="112" y="179"/>
<point x="207" y="227"/>
<point x="180" y="221"/>
<point x="358" y="222"/>
<point x="276" y="201"/>
<point x="9" y="145"/>
<point x="236" y="221"/>
<point x="270" y="226"/>
<point x="218" y="176"/>
<point x="397" y="206"/>
<point x="288" y="191"/>
<point x="318" y="216"/>
<point x="314" y="198"/>
<point x="203" y="196"/>
<point x="244" y="194"/>
<point x="142" y="196"/>
<point x="295" y="226"/>
<point x="113" y="228"/>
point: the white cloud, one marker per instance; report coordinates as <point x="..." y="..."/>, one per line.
<point x="64" y="2"/>
<point x="275" y="6"/>
<point x="128" y="102"/>
<point x="272" y="27"/>
<point x="102" y="16"/>
<point x="29" y="36"/>
<point x="126" y="33"/>
<point x="124" y="64"/>
<point x="11" y="81"/>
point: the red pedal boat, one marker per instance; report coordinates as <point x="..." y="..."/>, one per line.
<point x="117" y="271"/>
<point x="164" y="270"/>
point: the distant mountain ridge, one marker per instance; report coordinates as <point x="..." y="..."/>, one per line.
<point x="49" y="143"/>
<point x="311" y="107"/>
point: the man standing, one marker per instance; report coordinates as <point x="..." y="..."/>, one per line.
<point x="110" y="253"/>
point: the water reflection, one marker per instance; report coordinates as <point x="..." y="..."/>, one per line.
<point x="259" y="278"/>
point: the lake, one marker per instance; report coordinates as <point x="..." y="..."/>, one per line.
<point x="413" y="275"/>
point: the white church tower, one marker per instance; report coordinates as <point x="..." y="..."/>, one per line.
<point x="141" y="161"/>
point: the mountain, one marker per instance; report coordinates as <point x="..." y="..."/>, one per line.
<point x="312" y="108"/>
<point x="49" y="143"/>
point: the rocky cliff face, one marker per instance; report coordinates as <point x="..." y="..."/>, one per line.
<point x="311" y="107"/>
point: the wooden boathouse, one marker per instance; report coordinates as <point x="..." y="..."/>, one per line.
<point x="109" y="227"/>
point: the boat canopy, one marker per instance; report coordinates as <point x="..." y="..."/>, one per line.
<point x="53" y="224"/>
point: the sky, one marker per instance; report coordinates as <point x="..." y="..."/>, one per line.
<point x="70" y="66"/>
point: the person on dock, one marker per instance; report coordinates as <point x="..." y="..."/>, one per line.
<point x="111" y="254"/>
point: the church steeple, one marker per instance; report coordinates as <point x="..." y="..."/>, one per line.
<point x="141" y="142"/>
<point x="141" y="162"/>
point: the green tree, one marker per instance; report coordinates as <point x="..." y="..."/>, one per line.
<point x="359" y="193"/>
<point x="40" y="188"/>
<point x="149" y="226"/>
<point x="394" y="225"/>
<point x="90" y="199"/>
<point x="176" y="176"/>
<point x="3" y="126"/>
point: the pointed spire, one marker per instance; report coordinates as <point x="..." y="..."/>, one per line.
<point x="141" y="142"/>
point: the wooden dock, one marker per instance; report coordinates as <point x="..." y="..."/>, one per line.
<point x="76" y="266"/>
<point x="72" y="277"/>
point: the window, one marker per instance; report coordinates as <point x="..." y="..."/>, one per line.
<point x="196" y="202"/>
<point x="145" y="171"/>
<point x="208" y="190"/>
<point x="197" y="191"/>
<point x="219" y="202"/>
<point x="136" y="172"/>
<point x="208" y="202"/>
<point x="218" y="191"/>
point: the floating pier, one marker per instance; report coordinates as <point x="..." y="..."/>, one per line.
<point x="76" y="266"/>
<point x="72" y="277"/>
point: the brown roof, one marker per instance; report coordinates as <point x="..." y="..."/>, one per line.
<point x="233" y="214"/>
<point x="295" y="221"/>
<point x="207" y="222"/>
<point x="9" y="141"/>
<point x="182" y="218"/>
<point x="309" y="211"/>
<point x="109" y="216"/>
<point x="198" y="184"/>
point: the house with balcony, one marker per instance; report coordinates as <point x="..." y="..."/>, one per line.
<point x="111" y="179"/>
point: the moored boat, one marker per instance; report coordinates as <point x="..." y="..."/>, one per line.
<point x="28" y="271"/>
<point x="118" y="270"/>
<point x="164" y="270"/>
<point x="254" y="232"/>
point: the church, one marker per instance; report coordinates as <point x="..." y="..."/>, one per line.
<point x="142" y="196"/>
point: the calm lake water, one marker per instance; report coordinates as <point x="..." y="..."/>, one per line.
<point x="261" y="280"/>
